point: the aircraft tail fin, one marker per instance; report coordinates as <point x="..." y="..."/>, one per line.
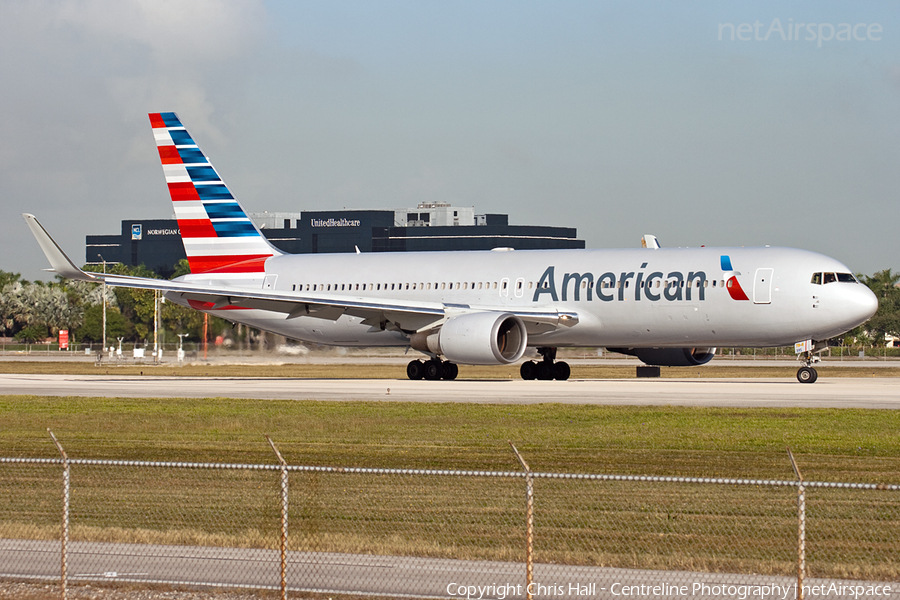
<point x="218" y="235"/>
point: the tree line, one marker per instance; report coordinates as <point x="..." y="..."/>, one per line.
<point x="35" y="311"/>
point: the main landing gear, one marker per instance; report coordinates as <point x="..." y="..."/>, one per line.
<point x="432" y="370"/>
<point x="547" y="368"/>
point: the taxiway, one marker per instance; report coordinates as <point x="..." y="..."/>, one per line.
<point x="838" y="392"/>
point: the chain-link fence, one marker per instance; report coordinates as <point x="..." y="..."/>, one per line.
<point x="444" y="534"/>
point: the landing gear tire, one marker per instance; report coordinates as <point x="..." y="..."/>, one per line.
<point x="807" y="375"/>
<point x="545" y="370"/>
<point x="433" y="370"/>
<point x="415" y="370"/>
<point x="528" y="370"/>
<point x="449" y="371"/>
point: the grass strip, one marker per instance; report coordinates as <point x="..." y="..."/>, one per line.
<point x="625" y="524"/>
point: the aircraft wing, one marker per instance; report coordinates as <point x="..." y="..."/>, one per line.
<point x="406" y="315"/>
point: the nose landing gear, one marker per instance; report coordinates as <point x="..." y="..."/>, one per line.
<point x="809" y="356"/>
<point x="807" y="375"/>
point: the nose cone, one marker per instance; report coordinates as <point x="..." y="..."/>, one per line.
<point x="868" y="303"/>
<point x="844" y="306"/>
<point x="859" y="305"/>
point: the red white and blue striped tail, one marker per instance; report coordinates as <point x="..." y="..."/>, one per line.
<point x="218" y="235"/>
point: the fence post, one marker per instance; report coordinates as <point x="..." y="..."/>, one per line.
<point x="801" y="526"/>
<point x="284" y="518"/>
<point x="529" y="524"/>
<point x="65" y="516"/>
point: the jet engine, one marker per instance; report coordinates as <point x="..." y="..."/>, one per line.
<point x="670" y="357"/>
<point x="485" y="338"/>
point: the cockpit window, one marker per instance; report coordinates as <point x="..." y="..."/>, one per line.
<point x="820" y="278"/>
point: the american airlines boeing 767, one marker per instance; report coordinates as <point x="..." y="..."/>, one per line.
<point x="666" y="306"/>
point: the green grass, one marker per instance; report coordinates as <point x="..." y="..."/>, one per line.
<point x="624" y="524"/>
<point x="691" y="441"/>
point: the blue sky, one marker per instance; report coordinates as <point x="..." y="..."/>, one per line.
<point x="617" y="118"/>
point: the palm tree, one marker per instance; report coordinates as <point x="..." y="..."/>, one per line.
<point x="887" y="319"/>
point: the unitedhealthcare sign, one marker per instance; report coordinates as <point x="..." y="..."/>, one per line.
<point x="334" y="222"/>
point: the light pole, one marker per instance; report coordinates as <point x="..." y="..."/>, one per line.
<point x="104" y="301"/>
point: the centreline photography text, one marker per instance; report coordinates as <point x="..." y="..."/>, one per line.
<point x="501" y="591"/>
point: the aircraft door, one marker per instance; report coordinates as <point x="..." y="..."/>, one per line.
<point x="762" y="286"/>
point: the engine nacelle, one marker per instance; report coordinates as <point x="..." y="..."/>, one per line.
<point x="670" y="357"/>
<point x="486" y="338"/>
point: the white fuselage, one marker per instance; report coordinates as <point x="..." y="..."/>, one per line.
<point x="623" y="298"/>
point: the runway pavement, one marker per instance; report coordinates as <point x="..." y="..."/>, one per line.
<point x="838" y="392"/>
